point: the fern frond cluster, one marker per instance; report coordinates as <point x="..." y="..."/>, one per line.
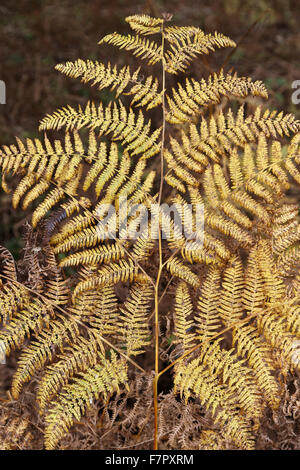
<point x="87" y="297"/>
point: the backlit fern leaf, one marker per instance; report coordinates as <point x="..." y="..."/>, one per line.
<point x="232" y="289"/>
<point x="104" y="378"/>
<point x="8" y="264"/>
<point x="249" y="344"/>
<point x="178" y="269"/>
<point x="197" y="378"/>
<point x="13" y="297"/>
<point x="31" y="319"/>
<point x="188" y="102"/>
<point x="237" y="375"/>
<point x="253" y="293"/>
<point x="140" y="47"/>
<point x="99" y="309"/>
<point x="133" y="322"/>
<point x="108" y="275"/>
<point x="102" y="254"/>
<point x="125" y="126"/>
<point x="82" y="355"/>
<point x="284" y="344"/>
<point x="216" y="137"/>
<point x="183" y="309"/>
<point x="185" y="48"/>
<point x="97" y="74"/>
<point x="144" y="24"/>
<point x="207" y="319"/>
<point x="37" y="353"/>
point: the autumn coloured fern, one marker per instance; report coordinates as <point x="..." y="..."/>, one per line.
<point x="129" y="215"/>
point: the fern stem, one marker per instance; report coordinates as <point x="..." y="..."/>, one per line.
<point x="156" y="296"/>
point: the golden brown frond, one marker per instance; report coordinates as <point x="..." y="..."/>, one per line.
<point x="144" y="91"/>
<point x="183" y="309"/>
<point x="207" y="288"/>
<point x="8" y="266"/>
<point x="133" y="323"/>
<point x="232" y="289"/>
<point x="144" y="24"/>
<point x="125" y="126"/>
<point x="34" y="356"/>
<point x="253" y="293"/>
<point x="184" y="48"/>
<point x="188" y="102"/>
<point x="82" y="355"/>
<point x="102" y="254"/>
<point x="198" y="379"/>
<point x="215" y="137"/>
<point x="140" y="47"/>
<point x="207" y="319"/>
<point x="104" y="378"/>
<point x="178" y="269"/>
<point x="108" y="275"/>
<point x="250" y="345"/>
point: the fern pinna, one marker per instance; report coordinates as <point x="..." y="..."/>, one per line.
<point x="86" y="299"/>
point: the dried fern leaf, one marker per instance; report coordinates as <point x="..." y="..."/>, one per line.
<point x="125" y="126"/>
<point x="183" y="309"/>
<point x="188" y="102"/>
<point x="177" y="268"/>
<point x="144" y="24"/>
<point x="140" y="47"/>
<point x="121" y="81"/>
<point x="207" y="319"/>
<point x="134" y="316"/>
<point x="184" y="49"/>
<point x="104" y="378"/>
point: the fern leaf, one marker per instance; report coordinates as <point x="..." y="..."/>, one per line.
<point x="35" y="355"/>
<point x="178" y="269"/>
<point x="102" y="254"/>
<point x="13" y="298"/>
<point x="133" y="320"/>
<point x="253" y="294"/>
<point x="78" y="358"/>
<point x="102" y="76"/>
<point x="32" y="318"/>
<point x="110" y="275"/>
<point x="140" y="47"/>
<point x="104" y="378"/>
<point x="183" y="310"/>
<point x="231" y="294"/>
<point x="184" y="49"/>
<point x="234" y="373"/>
<point x="8" y="266"/>
<point x="144" y="24"/>
<point x="126" y="127"/>
<point x="187" y="103"/>
<point x="195" y="377"/>
<point x="215" y="138"/>
<point x="207" y="318"/>
<point x="273" y="285"/>
<point x="250" y="345"/>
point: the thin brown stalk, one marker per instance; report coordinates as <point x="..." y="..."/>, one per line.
<point x="160" y="266"/>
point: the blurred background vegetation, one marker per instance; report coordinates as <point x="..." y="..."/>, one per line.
<point x="35" y="35"/>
